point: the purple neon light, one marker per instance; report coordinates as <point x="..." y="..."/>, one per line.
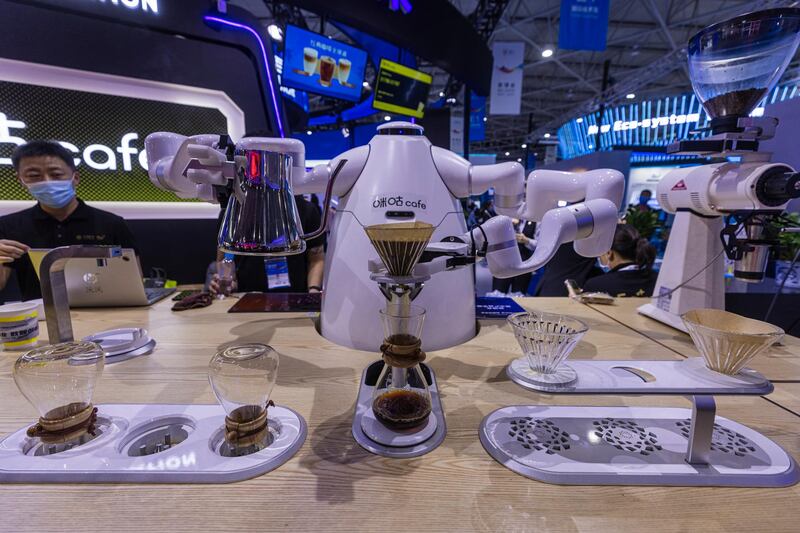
<point x="209" y="18"/>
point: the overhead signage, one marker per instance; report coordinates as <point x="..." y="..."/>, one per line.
<point x="622" y="125"/>
<point x="403" y="6"/>
<point x="506" y="94"/>
<point x="147" y="6"/>
<point x="583" y="25"/>
<point x="401" y="90"/>
<point x="104" y="132"/>
<point x="314" y="63"/>
<point x="432" y="29"/>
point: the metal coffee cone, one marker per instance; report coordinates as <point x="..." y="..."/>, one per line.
<point x="728" y="341"/>
<point x="400" y="245"/>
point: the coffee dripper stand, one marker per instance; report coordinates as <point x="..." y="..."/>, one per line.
<point x="149" y="443"/>
<point x="399" y="246"/>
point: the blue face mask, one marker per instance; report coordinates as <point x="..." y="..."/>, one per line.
<point x="55" y="194"/>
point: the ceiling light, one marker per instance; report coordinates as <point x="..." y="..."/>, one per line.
<point x="441" y="94"/>
<point x="486" y="119"/>
<point x="451" y="100"/>
<point x="387" y="118"/>
<point x="630" y="96"/>
<point x="519" y="160"/>
<point x="579" y="120"/>
<point x="309" y="132"/>
<point x="345" y="132"/>
<point x="275" y="32"/>
<point x="508" y="154"/>
<point x="365" y="85"/>
<point x="547" y="52"/>
<point x="523" y="146"/>
<point x="546" y="135"/>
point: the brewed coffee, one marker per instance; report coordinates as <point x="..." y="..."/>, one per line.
<point x="401" y="409"/>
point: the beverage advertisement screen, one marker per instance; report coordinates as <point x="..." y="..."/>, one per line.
<point x="314" y="63"/>
<point x="401" y="90"/>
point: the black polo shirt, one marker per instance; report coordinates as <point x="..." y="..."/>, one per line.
<point x="35" y="228"/>
<point x="623" y="281"/>
<point x="251" y="272"/>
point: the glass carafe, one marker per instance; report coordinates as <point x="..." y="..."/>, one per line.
<point x="401" y="399"/>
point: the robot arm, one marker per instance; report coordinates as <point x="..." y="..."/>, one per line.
<point x="546" y="187"/>
<point x="186" y="166"/>
<point x="316" y="179"/>
<point x="464" y="179"/>
<point x="591" y="224"/>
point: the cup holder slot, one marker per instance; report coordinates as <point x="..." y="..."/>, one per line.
<point x="225" y="449"/>
<point x="104" y="428"/>
<point x="156" y="436"/>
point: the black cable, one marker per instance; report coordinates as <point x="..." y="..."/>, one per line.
<point x="780" y="289"/>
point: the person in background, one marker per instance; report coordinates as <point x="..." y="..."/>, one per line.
<point x="644" y="200"/>
<point x="315" y="202"/>
<point x="293" y="273"/>
<point x="566" y="264"/>
<point x="630" y="261"/>
<point x="526" y="243"/>
<point x="47" y="171"/>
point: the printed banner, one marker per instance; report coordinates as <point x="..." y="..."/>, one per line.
<point x="506" y="93"/>
<point x="477" y="126"/>
<point x="583" y="25"/>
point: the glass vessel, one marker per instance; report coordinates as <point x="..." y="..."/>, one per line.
<point x="735" y="63"/>
<point x="59" y="379"/>
<point x="242" y="377"/>
<point x="728" y="341"/>
<point x="401" y="399"/>
<point x="546" y="339"/>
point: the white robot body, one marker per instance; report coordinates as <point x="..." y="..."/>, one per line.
<point x="399" y="183"/>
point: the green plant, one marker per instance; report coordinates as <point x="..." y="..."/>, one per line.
<point x="645" y="222"/>
<point x="790" y="242"/>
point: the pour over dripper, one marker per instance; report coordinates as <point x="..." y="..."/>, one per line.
<point x="59" y="380"/>
<point x="401" y="399"/>
<point x="728" y="341"/>
<point x="735" y="63"/>
<point x="400" y="244"/>
<point x="242" y="377"/>
<point x="547" y="340"/>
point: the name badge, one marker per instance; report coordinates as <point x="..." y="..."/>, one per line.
<point x="277" y="272"/>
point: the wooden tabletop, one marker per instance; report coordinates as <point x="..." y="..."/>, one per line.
<point x="779" y="364"/>
<point x="334" y="485"/>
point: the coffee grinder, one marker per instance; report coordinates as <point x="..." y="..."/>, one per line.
<point x="735" y="206"/>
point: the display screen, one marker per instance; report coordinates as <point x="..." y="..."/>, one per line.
<point x="104" y="132"/>
<point x="401" y="90"/>
<point x="314" y="63"/>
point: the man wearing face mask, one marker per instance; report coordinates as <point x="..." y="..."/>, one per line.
<point x="46" y="169"/>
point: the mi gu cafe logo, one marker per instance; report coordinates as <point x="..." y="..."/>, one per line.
<point x="148" y="6"/>
<point x="404" y="6"/>
<point x="96" y="156"/>
<point x="382" y="201"/>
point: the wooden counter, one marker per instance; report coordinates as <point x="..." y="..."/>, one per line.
<point x="333" y="485"/>
<point x="779" y="363"/>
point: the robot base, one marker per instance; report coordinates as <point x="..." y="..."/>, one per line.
<point x="403" y="444"/>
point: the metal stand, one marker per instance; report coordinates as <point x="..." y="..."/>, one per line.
<point x="701" y="429"/>
<point x="638" y="446"/>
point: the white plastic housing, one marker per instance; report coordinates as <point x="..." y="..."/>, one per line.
<point x="714" y="189"/>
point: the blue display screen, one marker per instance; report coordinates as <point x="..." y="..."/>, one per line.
<point x="314" y="63"/>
